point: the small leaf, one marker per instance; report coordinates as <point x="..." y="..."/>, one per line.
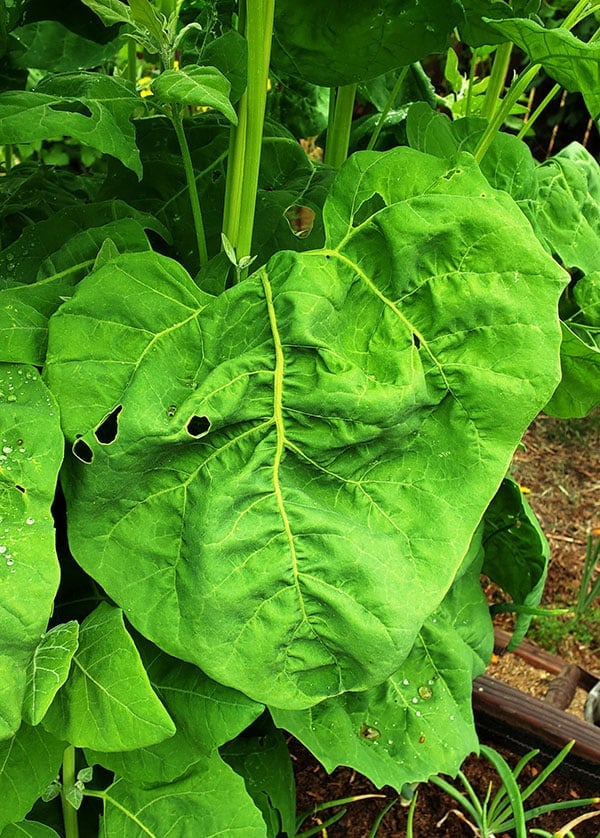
<point x="75" y="796"/>
<point x="199" y="86"/>
<point x="110" y="11"/>
<point x="107" y="701"/>
<point x="49" y="669"/>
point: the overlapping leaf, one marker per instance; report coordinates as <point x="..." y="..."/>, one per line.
<point x="49" y="45"/>
<point x="92" y="108"/>
<point x="31" y="450"/>
<point x="280" y="484"/>
<point x="197" y="86"/>
<point x="107" y="701"/>
<point x="573" y="63"/>
<point x="49" y="669"/>
<point x="345" y="42"/>
<point x="40" y="269"/>
<point x="30" y="761"/>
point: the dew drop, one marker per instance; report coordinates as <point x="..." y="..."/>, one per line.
<point x="418" y="713"/>
<point x="415" y="700"/>
<point x="2" y="548"/>
<point x="11" y="397"/>
<point x="10" y="562"/>
<point x="406" y="682"/>
<point x="370" y="733"/>
<point x="7" y="449"/>
<point x="30" y="521"/>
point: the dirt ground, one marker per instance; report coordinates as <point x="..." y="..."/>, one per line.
<point x="559" y="469"/>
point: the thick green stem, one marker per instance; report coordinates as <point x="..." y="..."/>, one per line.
<point x="497" y="80"/>
<point x="8" y="155"/>
<point x="68" y="781"/>
<point x="259" y="32"/>
<point x="516" y="89"/>
<point x="235" y="174"/>
<point x="538" y="111"/>
<point x="132" y="60"/>
<point x="388" y="106"/>
<point x="177" y="120"/>
<point x="338" y="134"/>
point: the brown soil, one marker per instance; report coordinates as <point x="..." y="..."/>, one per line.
<point x="560" y="466"/>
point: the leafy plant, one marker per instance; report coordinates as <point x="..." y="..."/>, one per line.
<point x="589" y="587"/>
<point x="234" y="503"/>
<point x="505" y="810"/>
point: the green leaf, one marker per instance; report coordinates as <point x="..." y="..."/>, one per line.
<point x="265" y="764"/>
<point x="107" y="701"/>
<point x="229" y="54"/>
<point x="210" y="801"/>
<point x="199" y="86"/>
<point x="88" y="107"/>
<point x="31" y="829"/>
<point x="477" y="29"/>
<point x="352" y="42"/>
<point x="49" y="669"/>
<point x="571" y="62"/>
<point x="41" y="269"/>
<point x="30" y="761"/>
<point x="579" y="390"/>
<point x="146" y="16"/>
<point x="205" y="713"/>
<point x="516" y="551"/>
<point x="419" y="721"/>
<point x="328" y="406"/>
<point x="48" y="45"/>
<point x="110" y="11"/>
<point x="31" y="450"/>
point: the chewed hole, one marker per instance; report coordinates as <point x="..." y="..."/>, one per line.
<point x="107" y="430"/>
<point x="20" y="488"/>
<point x="416" y="341"/>
<point x="82" y="451"/>
<point x="71" y="107"/>
<point x="301" y="220"/>
<point x="368" y="208"/>
<point x="198" y="426"/>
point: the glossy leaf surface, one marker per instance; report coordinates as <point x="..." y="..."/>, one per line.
<point x="197" y="86"/>
<point x="30" y="456"/>
<point x="49" y="669"/>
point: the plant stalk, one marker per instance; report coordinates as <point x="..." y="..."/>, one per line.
<point x="132" y="60"/>
<point x="259" y="32"/>
<point x="387" y="108"/>
<point x="68" y="781"/>
<point x="338" y="133"/>
<point x="497" y="80"/>
<point x="177" y="120"/>
<point x="8" y="154"/>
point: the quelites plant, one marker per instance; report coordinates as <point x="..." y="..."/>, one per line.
<point x="240" y="504"/>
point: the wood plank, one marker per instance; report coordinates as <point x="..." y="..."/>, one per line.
<point x="524" y="712"/>
<point x="542" y="659"/>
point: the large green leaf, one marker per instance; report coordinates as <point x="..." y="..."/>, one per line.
<point x="40" y="269"/>
<point x="29" y="762"/>
<point x="107" y="701"/>
<point x="210" y="801"/>
<point x="342" y="43"/>
<point x="419" y="721"/>
<point x="573" y="63"/>
<point x="196" y="86"/>
<point x="110" y="11"/>
<point x="31" y="450"/>
<point x="477" y="28"/>
<point x="255" y="475"/>
<point x="90" y="107"/>
<point x="28" y="829"/>
<point x="48" y="45"/>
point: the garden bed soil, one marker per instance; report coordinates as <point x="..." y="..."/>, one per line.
<point x="559" y="468"/>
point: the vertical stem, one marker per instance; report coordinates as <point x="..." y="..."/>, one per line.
<point x="338" y="134"/>
<point x="132" y="60"/>
<point x="388" y="107"/>
<point x="497" y="80"/>
<point x="177" y="120"/>
<point x="8" y="155"/>
<point x="515" y="90"/>
<point x="68" y="781"/>
<point x="472" y="70"/>
<point x="538" y="111"/>
<point x="259" y="32"/>
<point x="235" y="173"/>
